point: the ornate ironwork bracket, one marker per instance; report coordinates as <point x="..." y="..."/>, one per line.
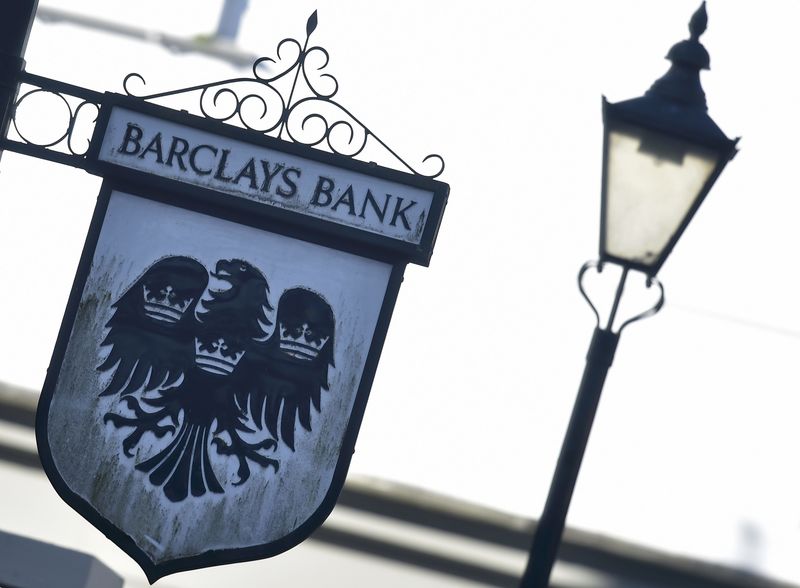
<point x="73" y="110"/>
<point x="291" y="98"/>
<point x="651" y="281"/>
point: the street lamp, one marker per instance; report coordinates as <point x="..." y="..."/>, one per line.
<point x="661" y="155"/>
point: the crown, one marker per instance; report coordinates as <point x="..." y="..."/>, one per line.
<point x="159" y="307"/>
<point x="214" y="361"/>
<point x="303" y="346"/>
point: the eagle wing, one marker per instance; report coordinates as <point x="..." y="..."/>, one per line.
<point x="143" y="355"/>
<point x="151" y="333"/>
<point x="290" y="369"/>
<point x="278" y="393"/>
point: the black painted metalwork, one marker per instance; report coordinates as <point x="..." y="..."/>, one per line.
<point x="15" y="28"/>
<point x="675" y="105"/>
<point x="80" y="108"/>
<point x="360" y="242"/>
<point x="67" y="135"/>
<point x="547" y="537"/>
<point x="599" y="266"/>
<point x="303" y="112"/>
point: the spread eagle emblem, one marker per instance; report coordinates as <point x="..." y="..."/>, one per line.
<point x="209" y="375"/>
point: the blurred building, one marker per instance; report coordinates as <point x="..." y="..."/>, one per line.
<point x="380" y="534"/>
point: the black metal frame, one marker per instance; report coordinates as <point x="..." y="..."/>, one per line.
<point x="603" y="346"/>
<point x="615" y="114"/>
<point x="290" y="107"/>
<point x="415" y="253"/>
<point x="599" y="266"/>
<point x="162" y="191"/>
<point x="49" y="151"/>
<point x="314" y="229"/>
<point x="675" y="105"/>
<point x="15" y="28"/>
<point x="298" y="105"/>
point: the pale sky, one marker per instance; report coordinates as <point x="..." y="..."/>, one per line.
<point x="695" y="447"/>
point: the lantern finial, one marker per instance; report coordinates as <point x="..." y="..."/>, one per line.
<point x="698" y="23"/>
<point x="682" y="82"/>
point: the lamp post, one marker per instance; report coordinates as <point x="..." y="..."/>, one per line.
<point x="661" y="155"/>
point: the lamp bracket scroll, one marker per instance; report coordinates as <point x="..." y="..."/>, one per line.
<point x="291" y="98"/>
<point x="650" y="281"/>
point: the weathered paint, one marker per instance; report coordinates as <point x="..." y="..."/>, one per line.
<point x="87" y="453"/>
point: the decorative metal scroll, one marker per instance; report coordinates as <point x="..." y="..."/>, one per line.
<point x="291" y="98"/>
<point x="53" y="120"/>
<point x="650" y="281"/>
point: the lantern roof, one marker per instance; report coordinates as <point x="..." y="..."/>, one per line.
<point x="676" y="104"/>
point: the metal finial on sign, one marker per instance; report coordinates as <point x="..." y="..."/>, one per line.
<point x="311" y="24"/>
<point x="307" y="113"/>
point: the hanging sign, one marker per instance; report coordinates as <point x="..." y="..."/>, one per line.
<point x="222" y="335"/>
<point x="266" y="176"/>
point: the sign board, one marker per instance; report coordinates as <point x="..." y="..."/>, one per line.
<point x="200" y="158"/>
<point x="223" y="331"/>
<point x="384" y="209"/>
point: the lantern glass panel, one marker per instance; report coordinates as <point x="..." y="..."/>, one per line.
<point x="652" y="182"/>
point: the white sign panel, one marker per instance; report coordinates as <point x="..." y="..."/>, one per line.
<point x="189" y="155"/>
<point x="201" y="403"/>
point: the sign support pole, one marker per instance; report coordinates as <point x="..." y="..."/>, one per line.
<point x="16" y="21"/>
